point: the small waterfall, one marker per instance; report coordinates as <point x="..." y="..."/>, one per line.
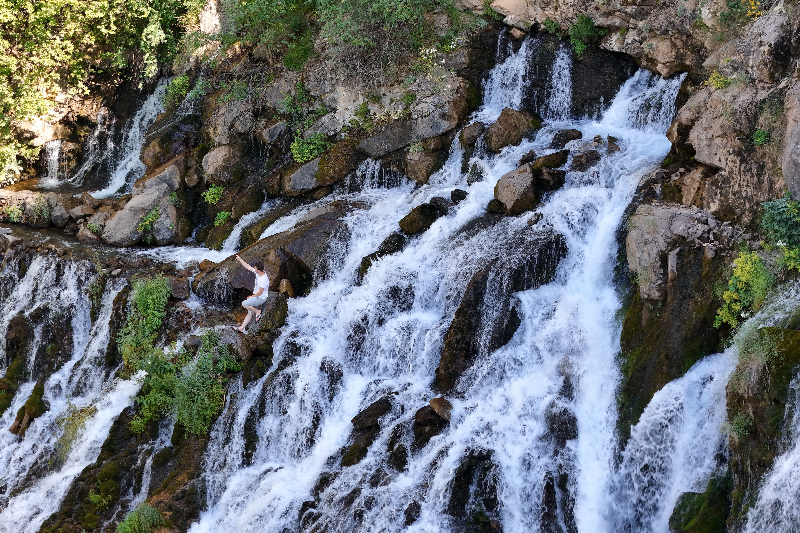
<point x="128" y="167"/>
<point x="31" y="489"/>
<point x="273" y="462"/>
<point x="506" y="82"/>
<point x="52" y="158"/>
<point x="559" y="100"/>
<point x="93" y="153"/>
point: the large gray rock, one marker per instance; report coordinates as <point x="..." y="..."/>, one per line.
<point x="767" y="46"/>
<point x="520" y="190"/>
<point x="790" y="164"/>
<point x="303" y="179"/>
<point x="171" y="177"/>
<point x="221" y="164"/>
<point x="122" y="229"/>
<point x="655" y="233"/>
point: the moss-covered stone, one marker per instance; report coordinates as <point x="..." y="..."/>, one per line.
<point x="338" y="162"/>
<point x="706" y="512"/>
<point x="419" y="219"/>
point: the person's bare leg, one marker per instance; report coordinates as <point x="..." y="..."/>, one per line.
<point x="247" y="319"/>
<point x="255" y="310"/>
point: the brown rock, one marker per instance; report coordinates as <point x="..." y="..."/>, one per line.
<point x="442" y="407"/>
<point x="554" y="160"/>
<point x="509" y="129"/>
<point x="420" y="165"/>
<point x="285" y="287"/>
<point x="470" y="134"/>
<point x="90" y="200"/>
<point x="584" y="161"/>
<point x="561" y="138"/>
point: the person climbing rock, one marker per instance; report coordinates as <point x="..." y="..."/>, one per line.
<point x="259" y="295"/>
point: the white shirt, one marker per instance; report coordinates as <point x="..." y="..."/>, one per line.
<point x="261" y="282"/>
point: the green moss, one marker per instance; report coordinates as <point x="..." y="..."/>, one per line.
<point x="706" y="512"/>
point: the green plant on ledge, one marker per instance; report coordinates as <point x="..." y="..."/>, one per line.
<point x="582" y="32"/>
<point x="147" y="221"/>
<point x="718" y="81"/>
<point x="306" y="149"/>
<point x="551" y="26"/>
<point x="760" y="137"/>
<point x="94" y="228"/>
<point x="213" y="194"/>
<point x="13" y="213"/>
<point x="221" y="218"/>
<point x="148" y="302"/>
<point x="746" y="290"/>
<point x="176" y="90"/>
<point x="144" y="519"/>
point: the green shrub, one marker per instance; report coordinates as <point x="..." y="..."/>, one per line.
<point x="757" y="352"/>
<point x="780" y="221"/>
<point x="304" y="150"/>
<point x="790" y="259"/>
<point x="213" y="194"/>
<point x="551" y="26"/>
<point x="94" y="228"/>
<point x="583" y="32"/>
<point x="408" y="98"/>
<point x="143" y="519"/>
<point x="13" y="213"/>
<point x="191" y="389"/>
<point x="299" y="51"/>
<point x="746" y="291"/>
<point x="489" y="12"/>
<point x="174" y="199"/>
<point x="739" y="427"/>
<point x="221" y="218"/>
<point x="760" y="137"/>
<point x="201" y="88"/>
<point x="147" y="221"/>
<point x="41" y="208"/>
<point x="234" y="90"/>
<point x="176" y="90"/>
<point x="147" y="309"/>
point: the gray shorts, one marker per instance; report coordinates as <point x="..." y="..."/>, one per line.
<point x="256" y="301"/>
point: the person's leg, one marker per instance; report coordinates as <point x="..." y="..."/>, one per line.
<point x="247" y="319"/>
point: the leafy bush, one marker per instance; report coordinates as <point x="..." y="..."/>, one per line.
<point x="781" y="221"/>
<point x="273" y="25"/>
<point x="201" y="88"/>
<point x="41" y="208"/>
<point x="191" y="389"/>
<point x="583" y="32"/>
<point x="304" y="150"/>
<point x="147" y="221"/>
<point x="94" y="228"/>
<point x="147" y="309"/>
<point x="221" y="218"/>
<point x="143" y="519"/>
<point x="747" y="288"/>
<point x="213" y="194"/>
<point x="718" y="81"/>
<point x="739" y="427"/>
<point x="299" y="51"/>
<point x="760" y="137"/>
<point x="757" y="351"/>
<point x="735" y="12"/>
<point x="13" y="213"/>
<point x="176" y="90"/>
<point x="551" y="26"/>
<point x="408" y="98"/>
<point x="234" y="90"/>
<point x="174" y="199"/>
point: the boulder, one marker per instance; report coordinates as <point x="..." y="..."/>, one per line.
<point x="431" y="117"/>
<point x="123" y="229"/>
<point x="90" y="200"/>
<point x="221" y="165"/>
<point x="585" y="160"/>
<point x="365" y="430"/>
<point x="420" y="165"/>
<point x="427" y="424"/>
<point x="554" y="160"/>
<point x="531" y="261"/>
<point x="530" y="157"/>
<point x="303" y="179"/>
<point x="520" y="190"/>
<point x="509" y="129"/>
<point x="271" y="133"/>
<point x="81" y="211"/>
<point x="457" y="196"/>
<point x="420" y="219"/>
<point x="171" y="177"/>
<point x="469" y="135"/>
<point x="562" y="137"/>
<point x="59" y="216"/>
<point x="442" y="407"/>
<point x="767" y="46"/>
<point x="790" y="163"/>
<point x="85" y="235"/>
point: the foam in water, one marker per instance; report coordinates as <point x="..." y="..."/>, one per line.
<point x="506" y="83"/>
<point x="345" y="346"/>
<point x="129" y="167"/>
<point x="93" y="151"/>
<point x="31" y="490"/>
<point x="559" y="98"/>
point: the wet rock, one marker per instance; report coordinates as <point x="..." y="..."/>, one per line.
<point x="338" y="162"/>
<point x="584" y="161"/>
<point x="457" y="196"/>
<point x="420" y="219"/>
<point x="398" y="453"/>
<point x="411" y="513"/>
<point x="530" y="157"/>
<point x="509" y="129"/>
<point x="59" y="216"/>
<point x="612" y="144"/>
<point x="303" y="179"/>
<point x="35" y="406"/>
<point x="474" y="491"/>
<point x="533" y="264"/>
<point x="421" y="164"/>
<point x="442" y="407"/>
<point x="365" y="429"/>
<point x="427" y="424"/>
<point x="392" y="244"/>
<point x="562" y="137"/>
<point x="554" y="160"/>
<point x="475" y="174"/>
<point x="90" y="200"/>
<point x="520" y="190"/>
<point x="82" y="211"/>
<point x="271" y="133"/>
<point x="85" y="235"/>
<point x="470" y="134"/>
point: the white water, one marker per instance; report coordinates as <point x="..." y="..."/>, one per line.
<point x="568" y="333"/>
<point x="559" y="99"/>
<point x="129" y="167"/>
<point x="82" y="380"/>
<point x="52" y="152"/>
<point x="504" y="87"/>
<point x="93" y="152"/>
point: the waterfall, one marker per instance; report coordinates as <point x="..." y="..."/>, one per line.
<point x="31" y="489"/>
<point x="93" y="153"/>
<point x="128" y="167"/>
<point x="347" y="345"/>
<point x="52" y="158"/>
<point x="559" y="100"/>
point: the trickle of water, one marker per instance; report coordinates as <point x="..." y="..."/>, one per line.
<point x="129" y="167"/>
<point x="506" y="82"/>
<point x="93" y="153"/>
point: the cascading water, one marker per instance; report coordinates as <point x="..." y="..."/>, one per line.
<point x="32" y="486"/>
<point x="128" y="167"/>
<point x="347" y="345"/>
<point x="559" y="98"/>
<point x="52" y="158"/>
<point x="93" y="152"/>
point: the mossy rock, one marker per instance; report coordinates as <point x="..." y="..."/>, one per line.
<point x="420" y="219"/>
<point x="338" y="162"/>
<point x="706" y="512"/>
